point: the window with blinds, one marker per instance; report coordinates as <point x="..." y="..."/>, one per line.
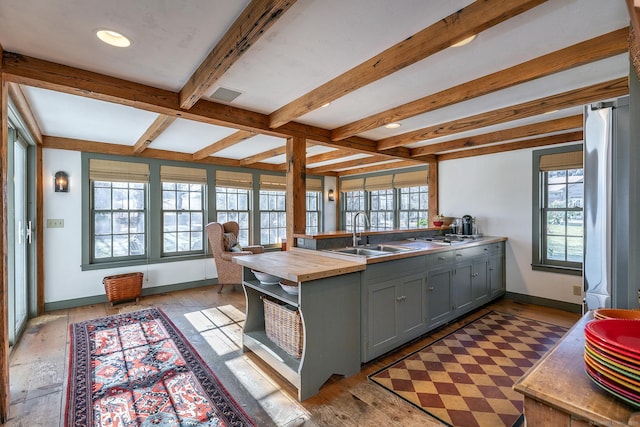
<point x="559" y="208"/>
<point x="233" y="201"/>
<point x="273" y="214"/>
<point x="118" y="209"/>
<point x="183" y="192"/>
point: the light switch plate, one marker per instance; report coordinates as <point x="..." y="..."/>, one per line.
<point x="55" y="223"/>
<point x="577" y="290"/>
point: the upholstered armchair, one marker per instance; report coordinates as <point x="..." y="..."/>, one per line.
<point x="223" y="240"/>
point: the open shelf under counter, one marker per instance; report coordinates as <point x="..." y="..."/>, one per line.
<point x="329" y="307"/>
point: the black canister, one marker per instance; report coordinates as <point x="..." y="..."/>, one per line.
<point x="467" y="225"/>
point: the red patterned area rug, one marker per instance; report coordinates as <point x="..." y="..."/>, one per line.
<point x="466" y="378"/>
<point x="137" y="369"/>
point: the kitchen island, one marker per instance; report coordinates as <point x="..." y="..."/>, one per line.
<point x="356" y="308"/>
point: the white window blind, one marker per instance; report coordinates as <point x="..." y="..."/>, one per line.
<point x="314" y="184"/>
<point x="411" y="179"/>
<point x="231" y="179"/>
<point x="381" y="182"/>
<point x="113" y="171"/>
<point x="273" y="182"/>
<point x="561" y="161"/>
<point x="183" y="175"/>
<point x="351" y="185"/>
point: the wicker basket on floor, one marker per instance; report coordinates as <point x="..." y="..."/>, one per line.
<point x="284" y="327"/>
<point x="122" y="287"/>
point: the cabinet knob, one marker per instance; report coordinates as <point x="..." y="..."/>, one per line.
<point x="458" y="254"/>
<point x="430" y="288"/>
<point x="475" y="274"/>
<point x="441" y="258"/>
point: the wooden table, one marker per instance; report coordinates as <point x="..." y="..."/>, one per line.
<point x="558" y="391"/>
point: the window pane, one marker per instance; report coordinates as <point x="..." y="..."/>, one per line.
<point x="556" y="248"/>
<point x="183" y="217"/>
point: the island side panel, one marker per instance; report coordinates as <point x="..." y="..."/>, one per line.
<point x="330" y="311"/>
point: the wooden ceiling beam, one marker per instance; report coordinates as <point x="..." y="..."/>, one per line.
<point x="511" y="146"/>
<point x="541" y="128"/>
<point x="598" y="48"/>
<point x="469" y="21"/>
<point x="356" y="162"/>
<point x="278" y="151"/>
<point x="159" y="125"/>
<point x="21" y="103"/>
<point x="225" y="142"/>
<point x="377" y="168"/>
<point x="578" y="97"/>
<point x="252" y="23"/>
<point x="325" y="157"/>
<point x="35" y="72"/>
<point x="150" y="153"/>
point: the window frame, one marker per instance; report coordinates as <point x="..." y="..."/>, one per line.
<point x="539" y="260"/>
<point x="244" y="233"/>
<point x="419" y="190"/>
<point x="192" y="231"/>
<point x="281" y="230"/>
<point x="310" y="195"/>
<point x="113" y="211"/>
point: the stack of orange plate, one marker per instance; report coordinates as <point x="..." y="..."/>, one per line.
<point x="616" y="313"/>
<point x="612" y="357"/>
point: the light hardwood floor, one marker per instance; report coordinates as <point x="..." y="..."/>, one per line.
<point x="212" y="322"/>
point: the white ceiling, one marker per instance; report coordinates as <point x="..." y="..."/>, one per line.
<point x="313" y="42"/>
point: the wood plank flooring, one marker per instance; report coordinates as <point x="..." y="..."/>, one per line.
<point x="213" y="324"/>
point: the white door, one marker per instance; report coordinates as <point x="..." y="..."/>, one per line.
<point x="18" y="251"/>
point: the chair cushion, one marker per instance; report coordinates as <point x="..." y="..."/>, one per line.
<point x="231" y="243"/>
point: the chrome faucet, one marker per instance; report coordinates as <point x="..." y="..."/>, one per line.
<point x="356" y="239"/>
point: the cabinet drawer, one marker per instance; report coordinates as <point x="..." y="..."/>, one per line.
<point x="468" y="253"/>
<point x="496" y="248"/>
<point x="440" y="259"/>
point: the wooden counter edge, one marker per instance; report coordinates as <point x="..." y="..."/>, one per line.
<point x="546" y="399"/>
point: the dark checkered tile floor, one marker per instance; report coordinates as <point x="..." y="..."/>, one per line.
<point x="466" y="378"/>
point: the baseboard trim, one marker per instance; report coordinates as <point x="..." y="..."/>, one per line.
<point x="545" y="302"/>
<point x="99" y="299"/>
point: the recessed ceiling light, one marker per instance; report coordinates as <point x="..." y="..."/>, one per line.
<point x="392" y="125"/>
<point x="113" y="38"/>
<point x="464" y="41"/>
<point x="325" y="105"/>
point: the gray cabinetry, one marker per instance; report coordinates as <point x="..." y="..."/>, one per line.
<point x="497" y="283"/>
<point x="439" y="304"/>
<point x="461" y="280"/>
<point x="394" y="305"/>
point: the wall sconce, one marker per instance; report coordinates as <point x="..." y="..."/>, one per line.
<point x="61" y="182"/>
<point x="330" y="195"/>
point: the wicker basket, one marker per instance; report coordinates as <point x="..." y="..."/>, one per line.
<point x="123" y="287"/>
<point x="284" y="327"/>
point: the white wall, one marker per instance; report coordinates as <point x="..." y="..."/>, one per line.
<point x="497" y="190"/>
<point x="329" y="213"/>
<point x="63" y="276"/>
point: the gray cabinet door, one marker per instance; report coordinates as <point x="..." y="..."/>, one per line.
<point x="410" y="301"/>
<point x="438" y="294"/>
<point x="479" y="279"/>
<point x="382" y="328"/>
<point x="497" y="283"/>
<point x="461" y="288"/>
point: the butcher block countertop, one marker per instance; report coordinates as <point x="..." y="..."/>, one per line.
<point x="301" y="265"/>
<point x="558" y="384"/>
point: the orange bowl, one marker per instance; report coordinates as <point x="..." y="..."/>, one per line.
<point x="616" y="313"/>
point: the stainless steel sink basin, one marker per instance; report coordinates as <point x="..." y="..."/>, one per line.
<point x="360" y="251"/>
<point x="371" y="251"/>
<point x="392" y="248"/>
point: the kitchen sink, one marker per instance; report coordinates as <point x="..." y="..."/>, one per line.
<point x="371" y="251"/>
<point x="392" y="248"/>
<point x="360" y="251"/>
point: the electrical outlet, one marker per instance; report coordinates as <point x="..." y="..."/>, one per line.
<point x="55" y="223"/>
<point x="577" y="290"/>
